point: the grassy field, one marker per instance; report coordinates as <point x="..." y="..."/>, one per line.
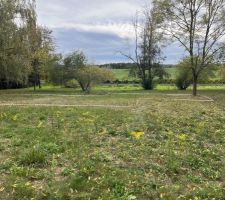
<point x="117" y="143"/>
<point x="123" y="74"/>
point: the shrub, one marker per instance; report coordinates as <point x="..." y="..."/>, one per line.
<point x="148" y="84"/>
<point x="90" y="75"/>
<point x="184" y="74"/>
<point x="222" y="73"/>
<point x="71" y="84"/>
<point x="76" y="67"/>
<point x="183" y="82"/>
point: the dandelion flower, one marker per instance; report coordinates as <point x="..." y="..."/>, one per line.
<point x="137" y="135"/>
<point x="182" y="137"/>
<point x="15" y="118"/>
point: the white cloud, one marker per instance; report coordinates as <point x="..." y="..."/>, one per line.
<point x="112" y="16"/>
<point x="124" y="31"/>
<point x="95" y="26"/>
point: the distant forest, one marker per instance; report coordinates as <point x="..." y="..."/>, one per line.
<point x="126" y="65"/>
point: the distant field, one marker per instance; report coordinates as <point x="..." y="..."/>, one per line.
<point x="172" y="72"/>
<point x="124" y="144"/>
<point x="123" y="74"/>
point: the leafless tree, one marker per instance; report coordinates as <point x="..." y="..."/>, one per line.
<point x="147" y="53"/>
<point x="199" y="26"/>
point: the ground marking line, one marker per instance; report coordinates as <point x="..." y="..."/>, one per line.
<point x="178" y="94"/>
<point x="77" y="95"/>
<point x="205" y="98"/>
<point x="59" y="95"/>
<point x="209" y="98"/>
<point x="194" y="100"/>
<point x="58" y="105"/>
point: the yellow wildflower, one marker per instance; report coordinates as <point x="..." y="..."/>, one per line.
<point x="182" y="137"/>
<point x="40" y="125"/>
<point x="137" y="135"/>
<point x="85" y="114"/>
<point x="15" y="117"/>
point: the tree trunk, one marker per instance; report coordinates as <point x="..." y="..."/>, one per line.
<point x="34" y="85"/>
<point x="39" y="81"/>
<point x="82" y="87"/>
<point x="195" y="83"/>
<point x="88" y="88"/>
<point x="35" y="81"/>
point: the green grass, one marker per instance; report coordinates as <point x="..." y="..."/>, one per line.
<point x="123" y="74"/>
<point x="111" y="88"/>
<point x="90" y="153"/>
<point x="172" y="72"/>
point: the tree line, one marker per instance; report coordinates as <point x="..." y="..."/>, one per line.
<point x="198" y="26"/>
<point x="26" y="49"/>
<point x="27" y="52"/>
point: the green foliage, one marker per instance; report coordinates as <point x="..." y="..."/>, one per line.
<point x="222" y="73"/>
<point x="76" y="68"/>
<point x="90" y="75"/>
<point x="72" y="84"/>
<point x="26" y="50"/>
<point x="41" y="55"/>
<point x="184" y="20"/>
<point x="56" y="74"/>
<point x="118" y="66"/>
<point x="14" y="64"/>
<point x="184" y="74"/>
<point x="77" y="59"/>
<point x="148" y="84"/>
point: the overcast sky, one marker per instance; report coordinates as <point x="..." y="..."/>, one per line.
<point x="100" y="28"/>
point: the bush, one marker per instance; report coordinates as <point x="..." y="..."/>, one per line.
<point x="222" y="73"/>
<point x="183" y="82"/>
<point x="90" y="75"/>
<point x="71" y="84"/>
<point x="77" y="68"/>
<point x="148" y="84"/>
<point x="184" y="75"/>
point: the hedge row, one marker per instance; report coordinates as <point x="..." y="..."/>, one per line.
<point x="165" y="81"/>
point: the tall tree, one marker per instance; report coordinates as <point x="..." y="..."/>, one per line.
<point x="147" y="56"/>
<point x="13" y="64"/>
<point x="25" y="48"/>
<point x="199" y="26"/>
<point x="40" y="45"/>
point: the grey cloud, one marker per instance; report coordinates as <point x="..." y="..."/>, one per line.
<point x="98" y="27"/>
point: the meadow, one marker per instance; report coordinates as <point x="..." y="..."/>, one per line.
<point x="123" y="74"/>
<point x="119" y="142"/>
